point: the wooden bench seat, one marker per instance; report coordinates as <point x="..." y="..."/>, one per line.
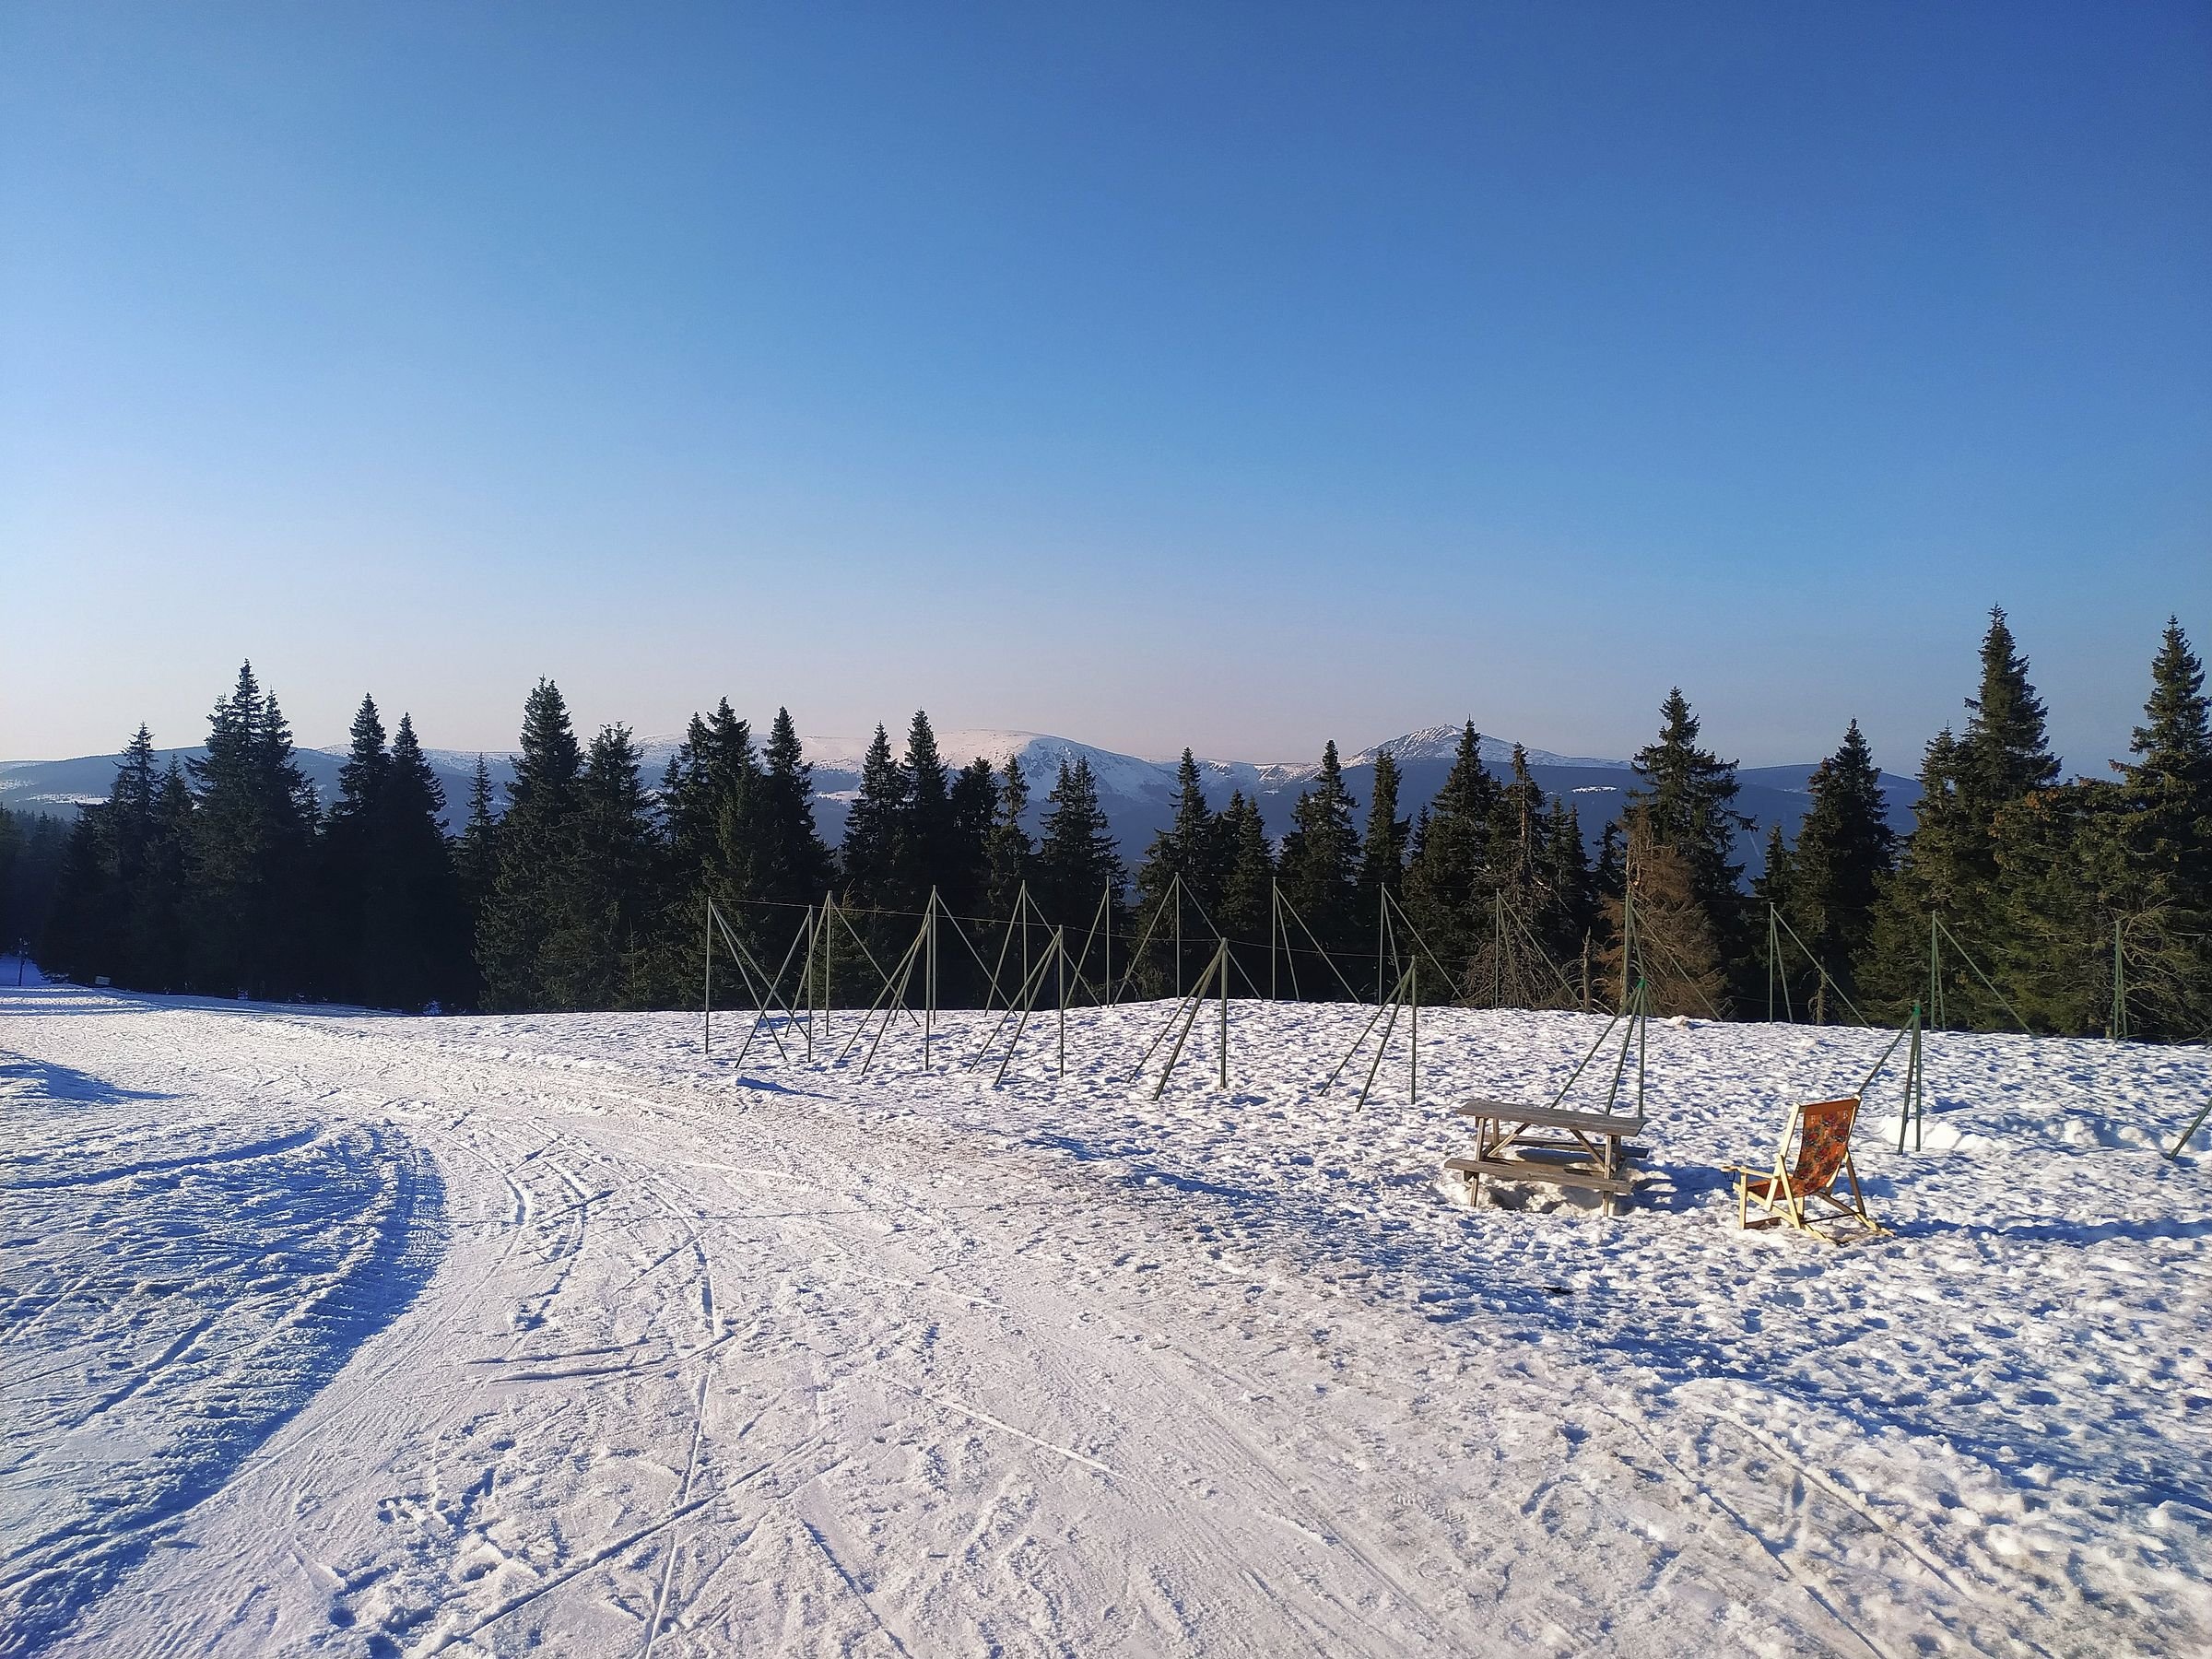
<point x="1543" y="1169"/>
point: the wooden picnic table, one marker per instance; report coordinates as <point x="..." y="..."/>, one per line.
<point x="1587" y="1149"/>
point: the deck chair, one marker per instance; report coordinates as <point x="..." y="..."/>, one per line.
<point x="1822" y="1171"/>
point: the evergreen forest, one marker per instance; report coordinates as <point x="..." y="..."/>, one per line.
<point x="2016" y="899"/>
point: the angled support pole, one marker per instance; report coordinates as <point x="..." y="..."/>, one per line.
<point x="2195" y="1124"/>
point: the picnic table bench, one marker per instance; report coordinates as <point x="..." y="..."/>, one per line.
<point x="1587" y="1149"/>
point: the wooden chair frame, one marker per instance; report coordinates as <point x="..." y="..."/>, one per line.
<point x="1790" y="1188"/>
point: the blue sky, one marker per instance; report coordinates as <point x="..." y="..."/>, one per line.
<point x="1236" y="376"/>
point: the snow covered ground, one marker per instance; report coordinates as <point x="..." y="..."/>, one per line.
<point x="364" y="1334"/>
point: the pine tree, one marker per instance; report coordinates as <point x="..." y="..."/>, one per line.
<point x="1319" y="867"/>
<point x="1076" y="862"/>
<point x="102" y="924"/>
<point x="476" y="853"/>
<point x="253" y="831"/>
<point x="967" y="876"/>
<point x="1565" y="920"/>
<point x="344" y="848"/>
<point x="1845" y="852"/>
<point x="415" y="936"/>
<point x="2091" y="871"/>
<point x="795" y="866"/>
<point x="2167" y="793"/>
<point x="1448" y="880"/>
<point x="1247" y="887"/>
<point x="33" y="848"/>
<point x="79" y="942"/>
<point x="2004" y="752"/>
<point x="536" y="844"/>
<point x="1674" y="951"/>
<point x="592" y="954"/>
<point x="1384" y="847"/>
<point x="1929" y="879"/>
<point x="1013" y="856"/>
<point x="1683" y="802"/>
<point x="923" y="850"/>
<point x="161" y="947"/>
<point x="1188" y="851"/>
<point x="870" y="856"/>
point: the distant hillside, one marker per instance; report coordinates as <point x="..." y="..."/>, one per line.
<point x="1138" y="796"/>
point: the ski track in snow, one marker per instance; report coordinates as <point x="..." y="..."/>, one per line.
<point x="359" y="1335"/>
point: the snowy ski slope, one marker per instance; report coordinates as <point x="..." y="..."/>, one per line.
<point x="372" y="1336"/>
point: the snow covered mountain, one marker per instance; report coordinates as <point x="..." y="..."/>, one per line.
<point x="1138" y="795"/>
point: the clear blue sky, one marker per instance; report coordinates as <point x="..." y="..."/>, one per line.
<point x="1231" y="376"/>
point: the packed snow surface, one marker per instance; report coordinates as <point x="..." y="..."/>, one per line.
<point x="363" y="1334"/>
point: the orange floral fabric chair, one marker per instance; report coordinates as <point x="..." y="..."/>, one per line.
<point x="1822" y="1169"/>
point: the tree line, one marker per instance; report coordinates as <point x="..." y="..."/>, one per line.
<point x="589" y="888"/>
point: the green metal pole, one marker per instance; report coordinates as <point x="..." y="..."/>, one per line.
<point x="1106" y="904"/>
<point x="706" y="1005"/>
<point x="1904" y="1110"/>
<point x="1935" y="976"/>
<point x="1060" y="974"/>
<point x="1275" y="922"/>
<point x="2119" y="985"/>
<point x="1221" y="967"/>
<point x="1773" y="946"/>
<point x="1175" y="895"/>
<point x="2195" y="1124"/>
<point x="1380" y="907"/>
<point x="1412" y="1052"/>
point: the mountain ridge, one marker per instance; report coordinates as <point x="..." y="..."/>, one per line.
<point x="1137" y="794"/>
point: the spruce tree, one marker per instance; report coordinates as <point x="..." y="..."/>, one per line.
<point x="2095" y="869"/>
<point x="795" y="866"/>
<point x="1448" y="880"/>
<point x="1931" y="875"/>
<point x="966" y="878"/>
<point x="1570" y="897"/>
<point x="1383" y="846"/>
<point x="79" y="941"/>
<point x="1319" y="868"/>
<point x="1675" y="952"/>
<point x="1187" y="851"/>
<point x="161" y="947"/>
<point x="415" y="937"/>
<point x="2165" y="792"/>
<point x="536" y="844"/>
<point x="1516" y="853"/>
<point x="247" y="870"/>
<point x="2003" y="753"/>
<point x="593" y="953"/>
<point x="1247" y="887"/>
<point x="1012" y="856"/>
<point x="33" y="848"/>
<point x="874" y="829"/>
<point x="476" y="856"/>
<point x="1683" y="801"/>
<point x="344" y="848"/>
<point x="1077" y="863"/>
<point x="924" y="847"/>
<point x="1845" y="852"/>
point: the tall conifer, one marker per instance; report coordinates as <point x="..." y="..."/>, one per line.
<point x="1077" y="863"/>
<point x="1319" y="867"/>
<point x="536" y="845"/>
<point x="874" y="829"/>
<point x="248" y="869"/>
